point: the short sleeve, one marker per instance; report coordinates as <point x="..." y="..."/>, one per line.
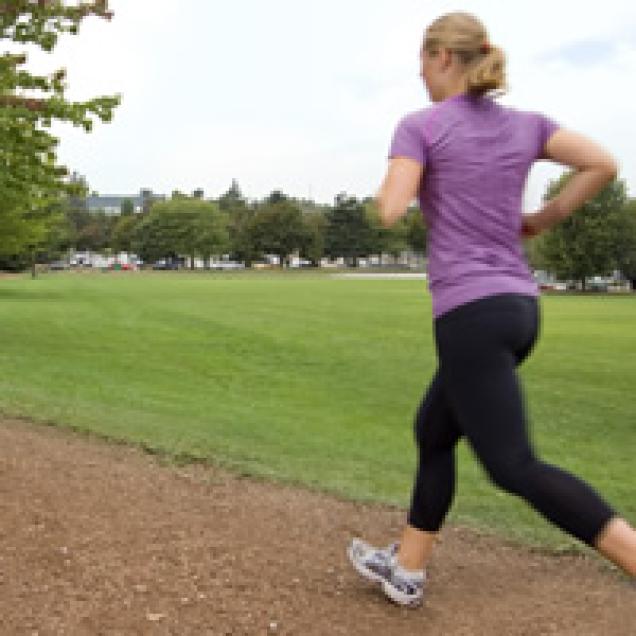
<point x="409" y="141"/>
<point x="546" y="128"/>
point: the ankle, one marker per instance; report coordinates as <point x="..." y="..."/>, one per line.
<point x="416" y="548"/>
<point x="410" y="566"/>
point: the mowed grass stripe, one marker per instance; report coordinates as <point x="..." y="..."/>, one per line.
<point x="306" y="378"/>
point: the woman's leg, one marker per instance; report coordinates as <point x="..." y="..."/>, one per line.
<point x="436" y="434"/>
<point x="480" y="382"/>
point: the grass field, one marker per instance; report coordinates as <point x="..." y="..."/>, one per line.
<point x="306" y="379"/>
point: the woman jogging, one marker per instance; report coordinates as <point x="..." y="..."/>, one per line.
<point x="468" y="159"/>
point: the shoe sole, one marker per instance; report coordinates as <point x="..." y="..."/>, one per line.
<point x="400" y="599"/>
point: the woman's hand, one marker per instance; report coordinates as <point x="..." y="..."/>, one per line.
<point x="531" y="225"/>
<point x="538" y="222"/>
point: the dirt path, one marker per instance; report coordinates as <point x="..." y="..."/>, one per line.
<point x="97" y="538"/>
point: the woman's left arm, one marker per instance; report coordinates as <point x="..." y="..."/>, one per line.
<point x="399" y="188"/>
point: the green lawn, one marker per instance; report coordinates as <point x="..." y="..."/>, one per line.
<point x="307" y="379"/>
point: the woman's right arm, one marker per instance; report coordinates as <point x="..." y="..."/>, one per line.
<point x="594" y="169"/>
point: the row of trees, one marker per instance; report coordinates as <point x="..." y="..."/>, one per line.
<point x="246" y="231"/>
<point x="598" y="239"/>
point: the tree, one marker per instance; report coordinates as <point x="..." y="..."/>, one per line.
<point x="313" y="245"/>
<point x="307" y="206"/>
<point x="626" y="247"/>
<point x="277" y="196"/>
<point x="123" y="233"/>
<point x="96" y="233"/>
<point x="181" y="226"/>
<point x="32" y="183"/>
<point x="211" y="232"/>
<point x="78" y="200"/>
<point x="348" y="232"/>
<point x="240" y="228"/>
<point x="127" y="207"/>
<point x="43" y="237"/>
<point x="58" y="239"/>
<point x="416" y="232"/>
<point x="154" y="237"/>
<point x="233" y="199"/>
<point x="278" y="228"/>
<point x="585" y="243"/>
<point x="378" y="235"/>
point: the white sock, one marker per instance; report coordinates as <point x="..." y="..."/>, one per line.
<point x="417" y="575"/>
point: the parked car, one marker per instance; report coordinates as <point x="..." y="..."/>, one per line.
<point x="300" y="262"/>
<point x="560" y="287"/>
<point x="59" y="265"/>
<point x="121" y="266"/>
<point x="166" y="264"/>
<point x="597" y="284"/>
<point x="228" y="265"/>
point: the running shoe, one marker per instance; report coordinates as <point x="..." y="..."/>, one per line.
<point x="380" y="565"/>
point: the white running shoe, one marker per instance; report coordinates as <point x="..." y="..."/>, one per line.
<point x="380" y="566"/>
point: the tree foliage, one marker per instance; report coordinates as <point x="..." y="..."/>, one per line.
<point x="626" y="247"/>
<point x="313" y="246"/>
<point x="585" y="244"/>
<point x="233" y="199"/>
<point x="242" y="246"/>
<point x="349" y="233"/>
<point x="278" y="227"/>
<point x="416" y="231"/>
<point x="31" y="180"/>
<point x="123" y="233"/>
<point x="181" y="226"/>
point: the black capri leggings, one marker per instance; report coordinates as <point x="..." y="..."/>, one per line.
<point x="476" y="393"/>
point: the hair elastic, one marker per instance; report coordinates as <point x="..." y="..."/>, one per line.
<point x="485" y="48"/>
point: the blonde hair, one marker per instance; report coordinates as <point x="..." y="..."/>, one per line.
<point x="466" y="36"/>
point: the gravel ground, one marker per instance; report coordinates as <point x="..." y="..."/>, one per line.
<point x="100" y="538"/>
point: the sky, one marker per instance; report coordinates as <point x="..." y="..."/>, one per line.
<point x="304" y="96"/>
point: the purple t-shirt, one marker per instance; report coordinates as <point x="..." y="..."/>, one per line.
<point x="476" y="156"/>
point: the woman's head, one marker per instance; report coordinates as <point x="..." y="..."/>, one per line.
<point x="457" y="57"/>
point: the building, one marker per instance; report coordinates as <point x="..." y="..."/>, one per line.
<point x="112" y="204"/>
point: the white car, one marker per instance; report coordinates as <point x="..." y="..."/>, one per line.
<point x="228" y="265"/>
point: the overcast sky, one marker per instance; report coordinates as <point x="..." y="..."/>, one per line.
<point x="304" y="96"/>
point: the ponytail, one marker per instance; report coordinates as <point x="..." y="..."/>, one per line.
<point x="487" y="73"/>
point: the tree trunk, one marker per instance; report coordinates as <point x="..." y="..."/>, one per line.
<point x="34" y="271"/>
<point x="583" y="288"/>
<point x="632" y="284"/>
